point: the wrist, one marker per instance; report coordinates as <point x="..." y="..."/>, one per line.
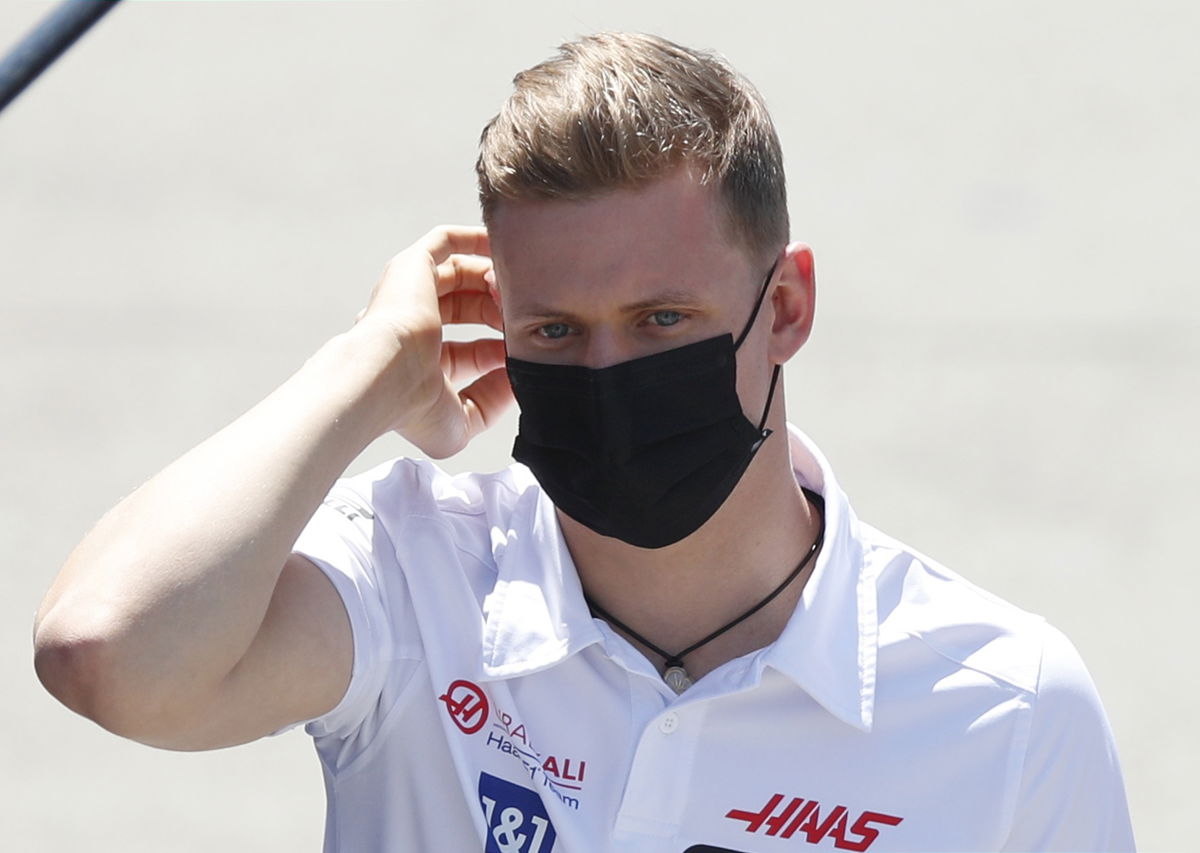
<point x="351" y="373"/>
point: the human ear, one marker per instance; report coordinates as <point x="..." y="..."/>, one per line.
<point x="794" y="300"/>
<point x="493" y="290"/>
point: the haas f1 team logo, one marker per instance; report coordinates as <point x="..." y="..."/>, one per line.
<point x="806" y="818"/>
<point x="467" y="705"/>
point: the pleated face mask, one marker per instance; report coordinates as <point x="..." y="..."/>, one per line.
<point x="645" y="450"/>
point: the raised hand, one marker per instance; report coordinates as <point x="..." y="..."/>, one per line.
<point x="445" y="392"/>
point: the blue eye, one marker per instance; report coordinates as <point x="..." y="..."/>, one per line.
<point x="665" y="318"/>
<point x="554" y="331"/>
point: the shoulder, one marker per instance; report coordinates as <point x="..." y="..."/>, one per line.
<point x="386" y="522"/>
<point x="407" y="488"/>
<point x="921" y="600"/>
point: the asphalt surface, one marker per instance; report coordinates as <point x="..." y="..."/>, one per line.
<point x="1003" y="200"/>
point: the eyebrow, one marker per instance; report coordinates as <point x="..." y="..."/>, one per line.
<point x="659" y="299"/>
<point x="664" y="298"/>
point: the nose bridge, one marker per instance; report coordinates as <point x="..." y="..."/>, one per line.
<point x="606" y="346"/>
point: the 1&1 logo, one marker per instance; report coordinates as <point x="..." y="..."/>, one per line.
<point x="516" y="818"/>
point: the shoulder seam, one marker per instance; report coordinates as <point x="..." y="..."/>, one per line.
<point x="1027" y="691"/>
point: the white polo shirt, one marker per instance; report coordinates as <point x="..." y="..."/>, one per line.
<point x="902" y="708"/>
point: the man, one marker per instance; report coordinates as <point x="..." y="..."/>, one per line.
<point x="669" y="632"/>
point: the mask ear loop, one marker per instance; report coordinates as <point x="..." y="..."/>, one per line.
<point x="763" y="432"/>
<point x="757" y="304"/>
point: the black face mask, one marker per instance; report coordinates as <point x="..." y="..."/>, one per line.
<point x="645" y="450"/>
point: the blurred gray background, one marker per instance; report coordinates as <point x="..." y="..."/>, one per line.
<point x="1002" y="196"/>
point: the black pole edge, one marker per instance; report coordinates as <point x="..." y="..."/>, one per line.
<point x="47" y="41"/>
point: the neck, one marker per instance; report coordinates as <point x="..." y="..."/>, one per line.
<point x="677" y="595"/>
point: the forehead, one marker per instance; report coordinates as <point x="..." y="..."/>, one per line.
<point x="671" y="230"/>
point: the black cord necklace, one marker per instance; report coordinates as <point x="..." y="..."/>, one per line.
<point x="676" y="674"/>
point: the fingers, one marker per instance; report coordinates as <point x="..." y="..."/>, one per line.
<point x="463" y="272"/>
<point x="485" y="400"/>
<point x="447" y="240"/>
<point x="470" y="307"/>
<point x="464" y="292"/>
<point x="449" y="259"/>
<point x="464" y="360"/>
<point x="457" y="417"/>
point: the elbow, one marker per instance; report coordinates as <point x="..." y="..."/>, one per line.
<point x="80" y="668"/>
<point x="70" y="668"/>
<point x="85" y="669"/>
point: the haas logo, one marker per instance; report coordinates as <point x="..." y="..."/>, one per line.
<point x="806" y="817"/>
<point x="467" y="705"/>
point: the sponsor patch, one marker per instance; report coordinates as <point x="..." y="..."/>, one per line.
<point x="516" y="818"/>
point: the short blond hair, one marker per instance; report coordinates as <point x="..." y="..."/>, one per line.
<point x="618" y="110"/>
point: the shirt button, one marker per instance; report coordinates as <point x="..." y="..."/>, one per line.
<point x="668" y="723"/>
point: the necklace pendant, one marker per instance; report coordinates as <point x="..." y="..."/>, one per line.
<point x="677" y="679"/>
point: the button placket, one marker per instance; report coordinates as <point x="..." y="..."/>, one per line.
<point x="658" y="786"/>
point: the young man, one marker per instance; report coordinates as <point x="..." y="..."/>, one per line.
<point x="668" y="632"/>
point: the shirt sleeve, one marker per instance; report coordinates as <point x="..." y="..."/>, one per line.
<point x="348" y="543"/>
<point x="1071" y="795"/>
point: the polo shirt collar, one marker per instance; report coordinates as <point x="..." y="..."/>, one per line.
<point x="536" y="616"/>
<point x="829" y="645"/>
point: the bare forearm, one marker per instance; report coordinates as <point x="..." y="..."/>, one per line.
<point x="163" y="598"/>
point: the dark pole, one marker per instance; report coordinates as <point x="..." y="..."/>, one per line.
<point x="46" y="42"/>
